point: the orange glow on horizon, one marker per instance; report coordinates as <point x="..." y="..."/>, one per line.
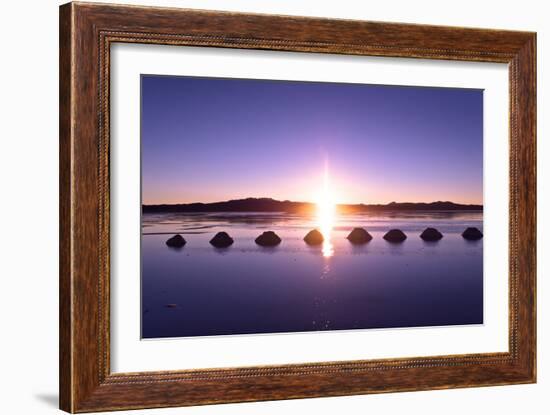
<point x="336" y="184"/>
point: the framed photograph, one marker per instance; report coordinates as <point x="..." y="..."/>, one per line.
<point x="260" y="207"/>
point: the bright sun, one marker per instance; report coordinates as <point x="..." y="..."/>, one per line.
<point x="326" y="212"/>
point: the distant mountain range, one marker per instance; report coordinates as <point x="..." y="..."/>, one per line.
<point x="272" y="205"/>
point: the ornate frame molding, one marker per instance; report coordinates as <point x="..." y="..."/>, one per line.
<point x="86" y="33"/>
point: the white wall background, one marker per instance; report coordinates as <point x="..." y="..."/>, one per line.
<point x="29" y="192"/>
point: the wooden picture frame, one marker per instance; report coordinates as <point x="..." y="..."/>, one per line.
<point x="86" y="33"/>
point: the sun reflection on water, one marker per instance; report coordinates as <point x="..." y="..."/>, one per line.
<point x="326" y="212"/>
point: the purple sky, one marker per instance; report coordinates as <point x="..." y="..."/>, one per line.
<point x="210" y="139"/>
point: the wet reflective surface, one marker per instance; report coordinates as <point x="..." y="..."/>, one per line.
<point x="199" y="290"/>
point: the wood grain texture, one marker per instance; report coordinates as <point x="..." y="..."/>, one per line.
<point x="86" y="33"/>
<point x="65" y="246"/>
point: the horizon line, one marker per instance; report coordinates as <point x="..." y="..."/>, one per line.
<point x="312" y="203"/>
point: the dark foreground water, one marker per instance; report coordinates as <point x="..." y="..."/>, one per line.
<point x="201" y="291"/>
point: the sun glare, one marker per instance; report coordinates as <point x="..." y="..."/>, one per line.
<point x="326" y="211"/>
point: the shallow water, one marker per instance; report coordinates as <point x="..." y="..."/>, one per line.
<point x="200" y="290"/>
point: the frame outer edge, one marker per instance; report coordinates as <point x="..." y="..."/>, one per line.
<point x="82" y="386"/>
<point x="82" y="233"/>
<point x="534" y="120"/>
<point x="66" y="120"/>
<point x="523" y="113"/>
<point x="528" y="189"/>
